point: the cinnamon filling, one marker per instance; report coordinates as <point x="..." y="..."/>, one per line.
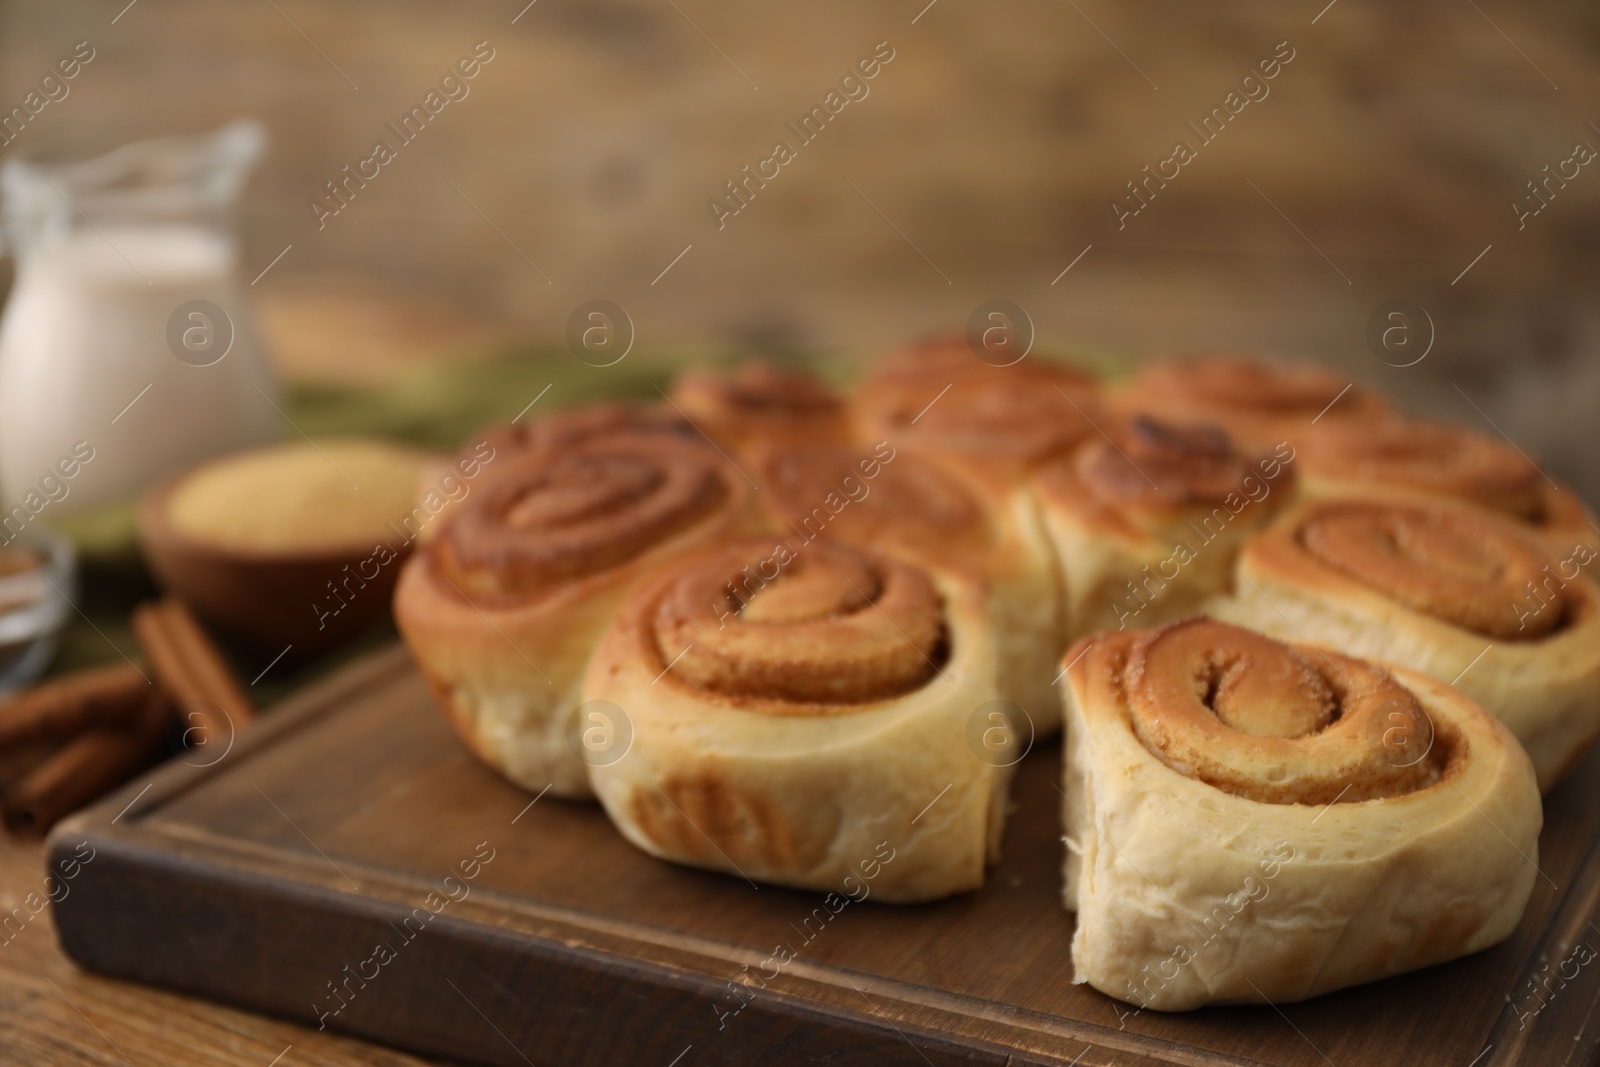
<point x="761" y="389"/>
<point x="568" y="429"/>
<point x="950" y="355"/>
<point x="1161" y="463"/>
<point x="1015" y="417"/>
<point x="1026" y="412"/>
<point x="844" y="488"/>
<point x="1259" y="719"/>
<point x="1247" y="384"/>
<point x="1434" y="456"/>
<point x="593" y="507"/>
<point x="1470" y="569"/>
<point x="827" y="626"/>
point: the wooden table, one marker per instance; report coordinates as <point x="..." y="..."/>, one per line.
<point x="53" y="1013"/>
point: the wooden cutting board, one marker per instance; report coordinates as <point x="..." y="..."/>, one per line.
<point x="348" y="861"/>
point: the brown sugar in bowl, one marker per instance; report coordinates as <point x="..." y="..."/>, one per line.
<point x="292" y="545"/>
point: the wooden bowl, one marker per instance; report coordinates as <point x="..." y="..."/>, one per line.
<point x="311" y="600"/>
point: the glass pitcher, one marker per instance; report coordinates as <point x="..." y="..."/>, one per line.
<point x="126" y="351"/>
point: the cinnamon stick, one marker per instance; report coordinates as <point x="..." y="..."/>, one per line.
<point x="63" y="708"/>
<point x="87" y="768"/>
<point x="189" y="667"/>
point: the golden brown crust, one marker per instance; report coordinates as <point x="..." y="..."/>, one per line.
<point x="1250" y="821"/>
<point x="1003" y="420"/>
<point x="1417" y="456"/>
<point x="834" y="627"/>
<point x="1431" y="456"/>
<point x="1146" y="521"/>
<point x="874" y="496"/>
<point x="547" y="437"/>
<point x="818" y="701"/>
<point x="949" y="355"/>
<point x="1462" y="594"/>
<point x="1259" y="401"/>
<point x="556" y="517"/>
<point x="1463" y="566"/>
<point x="502" y="608"/>
<point x="1162" y="464"/>
<point x="825" y="630"/>
<point x="1568" y="527"/>
<point x="884" y="498"/>
<point x="761" y="402"/>
<point x="1262" y="720"/>
<point x="695" y="815"/>
<point x="1148" y="473"/>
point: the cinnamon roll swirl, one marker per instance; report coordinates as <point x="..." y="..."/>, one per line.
<point x="571" y="428"/>
<point x="950" y="355"/>
<point x="761" y="402"/>
<point x="886" y="498"/>
<point x="1411" y="456"/>
<point x="1250" y="821"/>
<point x="1261" y="402"/>
<point x="495" y="450"/>
<point x="994" y="421"/>
<point x="794" y="710"/>
<point x="502" y="608"/>
<point x="1456" y="592"/>
<point x="1148" y="520"/>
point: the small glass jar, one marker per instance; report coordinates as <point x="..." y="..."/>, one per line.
<point x="37" y="584"/>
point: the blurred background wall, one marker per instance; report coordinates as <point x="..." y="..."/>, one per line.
<point x="1382" y="162"/>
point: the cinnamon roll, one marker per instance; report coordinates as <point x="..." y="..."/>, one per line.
<point x="883" y="497"/>
<point x="502" y="608"/>
<point x="494" y="449"/>
<point x="795" y="710"/>
<point x="949" y="354"/>
<point x="995" y="421"/>
<point x="1261" y="402"/>
<point x="1147" y="521"/>
<point x="571" y="428"/>
<point x="1413" y="456"/>
<point x="761" y="402"/>
<point x="1459" y="593"/>
<point x="1249" y="821"/>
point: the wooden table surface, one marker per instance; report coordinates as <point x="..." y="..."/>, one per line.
<point x="53" y="1013"/>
